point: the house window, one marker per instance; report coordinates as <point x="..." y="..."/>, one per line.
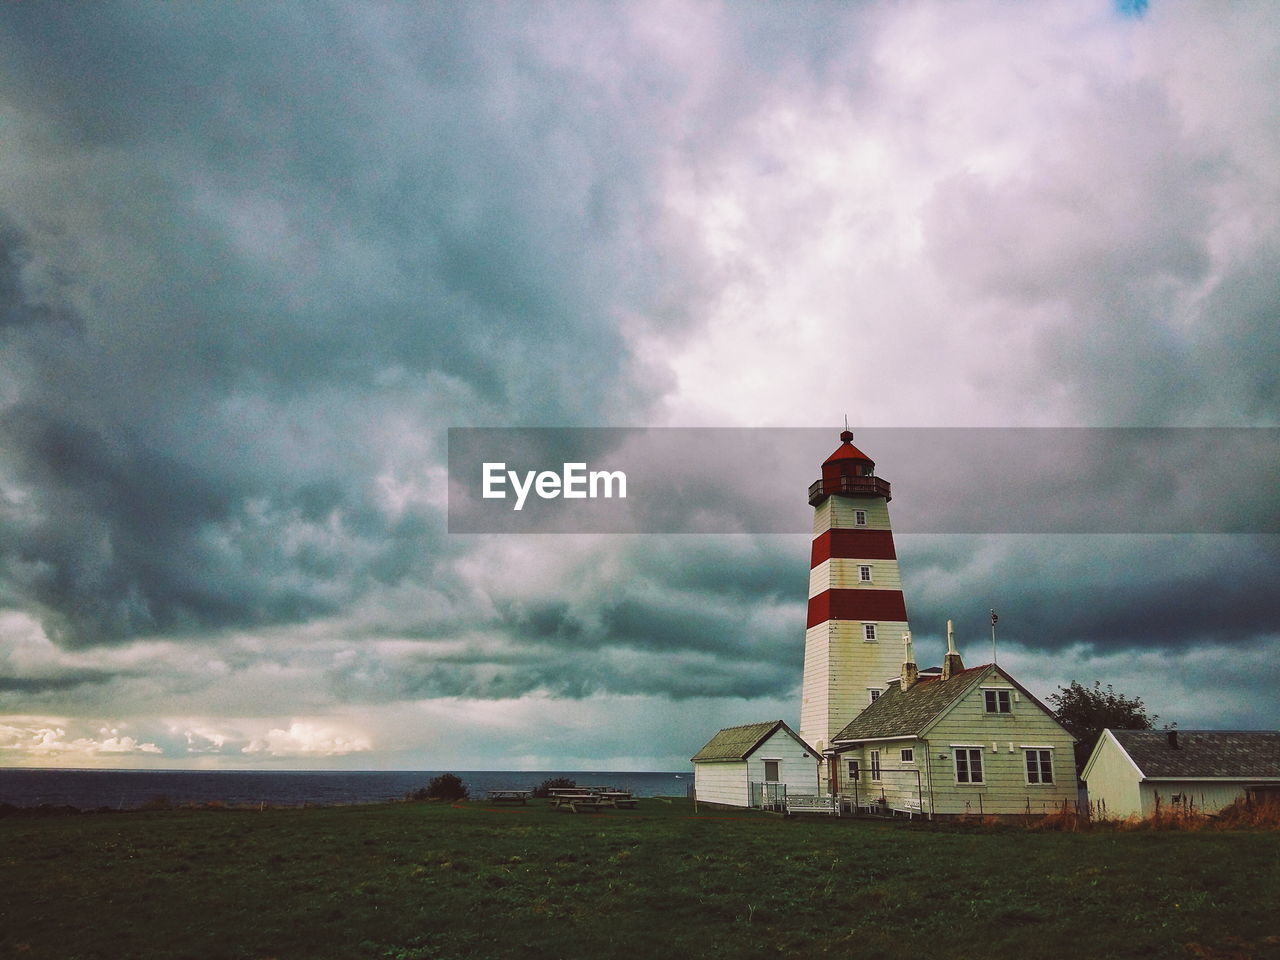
<point x="854" y="772"/>
<point x="771" y="771"/>
<point x="864" y="573"/>
<point x="998" y="701"/>
<point x="875" y="764"/>
<point x="908" y="756"/>
<point x="860" y="517"/>
<point x="1039" y="766"/>
<point x="873" y="693"/>
<point x="968" y="764"/>
<point x="868" y="631"/>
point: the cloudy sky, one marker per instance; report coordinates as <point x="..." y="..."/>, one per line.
<point x="255" y="260"/>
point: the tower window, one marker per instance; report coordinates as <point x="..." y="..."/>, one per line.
<point x="860" y="517"/>
<point x="864" y="573"/>
<point x="868" y="631"/>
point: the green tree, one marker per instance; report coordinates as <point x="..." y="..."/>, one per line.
<point x="1087" y="711"/>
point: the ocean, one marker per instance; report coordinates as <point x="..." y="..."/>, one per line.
<point x="129" y="789"/>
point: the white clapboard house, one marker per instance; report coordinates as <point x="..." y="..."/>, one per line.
<point x="752" y="764"/>
<point x="1131" y="771"/>
<point x="953" y="742"/>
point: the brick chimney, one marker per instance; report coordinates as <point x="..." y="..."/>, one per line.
<point x="910" y="673"/>
<point x="951" y="663"/>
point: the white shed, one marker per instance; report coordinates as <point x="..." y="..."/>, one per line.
<point x="762" y="753"/>
<point x="1201" y="770"/>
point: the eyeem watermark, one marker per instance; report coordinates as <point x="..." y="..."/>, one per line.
<point x="574" y="482"/>
<point x="697" y="480"/>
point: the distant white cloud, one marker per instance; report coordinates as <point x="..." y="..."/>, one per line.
<point x="38" y="739"/>
<point x="306" y="739"/>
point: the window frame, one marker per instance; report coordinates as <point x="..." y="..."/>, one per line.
<point x="876" y="769"/>
<point x="907" y="755"/>
<point x="869" y="633"/>
<point x="864" y="573"/>
<point x="971" y="753"/>
<point x="874" y="694"/>
<point x="860" y="518"/>
<point x="777" y="770"/>
<point x="855" y="770"/>
<point x="1002" y="697"/>
<point x="1043" y="755"/>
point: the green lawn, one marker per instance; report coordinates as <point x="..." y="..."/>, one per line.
<point x="427" y="881"/>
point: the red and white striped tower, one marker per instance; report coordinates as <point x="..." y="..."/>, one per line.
<point x="857" y="616"/>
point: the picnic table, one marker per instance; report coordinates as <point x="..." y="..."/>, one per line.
<point x="577" y="801"/>
<point x="508" y="796"/>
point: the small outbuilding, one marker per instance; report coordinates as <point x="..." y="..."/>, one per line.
<point x="1131" y="771"/>
<point x="751" y="764"/>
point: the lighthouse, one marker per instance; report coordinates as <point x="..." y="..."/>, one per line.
<point x="857" y="616"/>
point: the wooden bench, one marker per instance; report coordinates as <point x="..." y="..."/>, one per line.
<point x="808" y="804"/>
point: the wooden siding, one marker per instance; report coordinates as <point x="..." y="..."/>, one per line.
<point x="866" y="605"/>
<point x="1003" y="739"/>
<point x="797" y="767"/>
<point x="838" y="512"/>
<point x="1113" y="780"/>
<point x="721" y="782"/>
<point x="899" y="785"/>
<point x="844" y="574"/>
<point x="1202" y="796"/>
<point x="856" y="542"/>
<point x="839" y="667"/>
<point x="727" y="782"/>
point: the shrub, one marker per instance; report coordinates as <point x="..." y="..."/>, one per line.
<point x="1257" y="813"/>
<point x="447" y="787"/>
<point x="544" y="789"/>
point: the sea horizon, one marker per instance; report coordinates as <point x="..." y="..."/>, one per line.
<point x="93" y="788"/>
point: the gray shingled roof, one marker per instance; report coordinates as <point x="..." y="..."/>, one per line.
<point x="1204" y="753"/>
<point x="899" y="713"/>
<point x="736" y="743"/>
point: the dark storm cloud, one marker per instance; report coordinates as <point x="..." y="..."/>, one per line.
<point x="66" y="681"/>
<point x="1111" y="593"/>
<point x="292" y="226"/>
<point x="683" y="624"/>
<point x="20" y="306"/>
<point x="254" y="260"/>
<point x="567" y="673"/>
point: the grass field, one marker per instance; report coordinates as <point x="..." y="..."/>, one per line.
<point x="416" y="880"/>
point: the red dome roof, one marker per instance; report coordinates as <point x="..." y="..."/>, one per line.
<point x="847" y="451"/>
